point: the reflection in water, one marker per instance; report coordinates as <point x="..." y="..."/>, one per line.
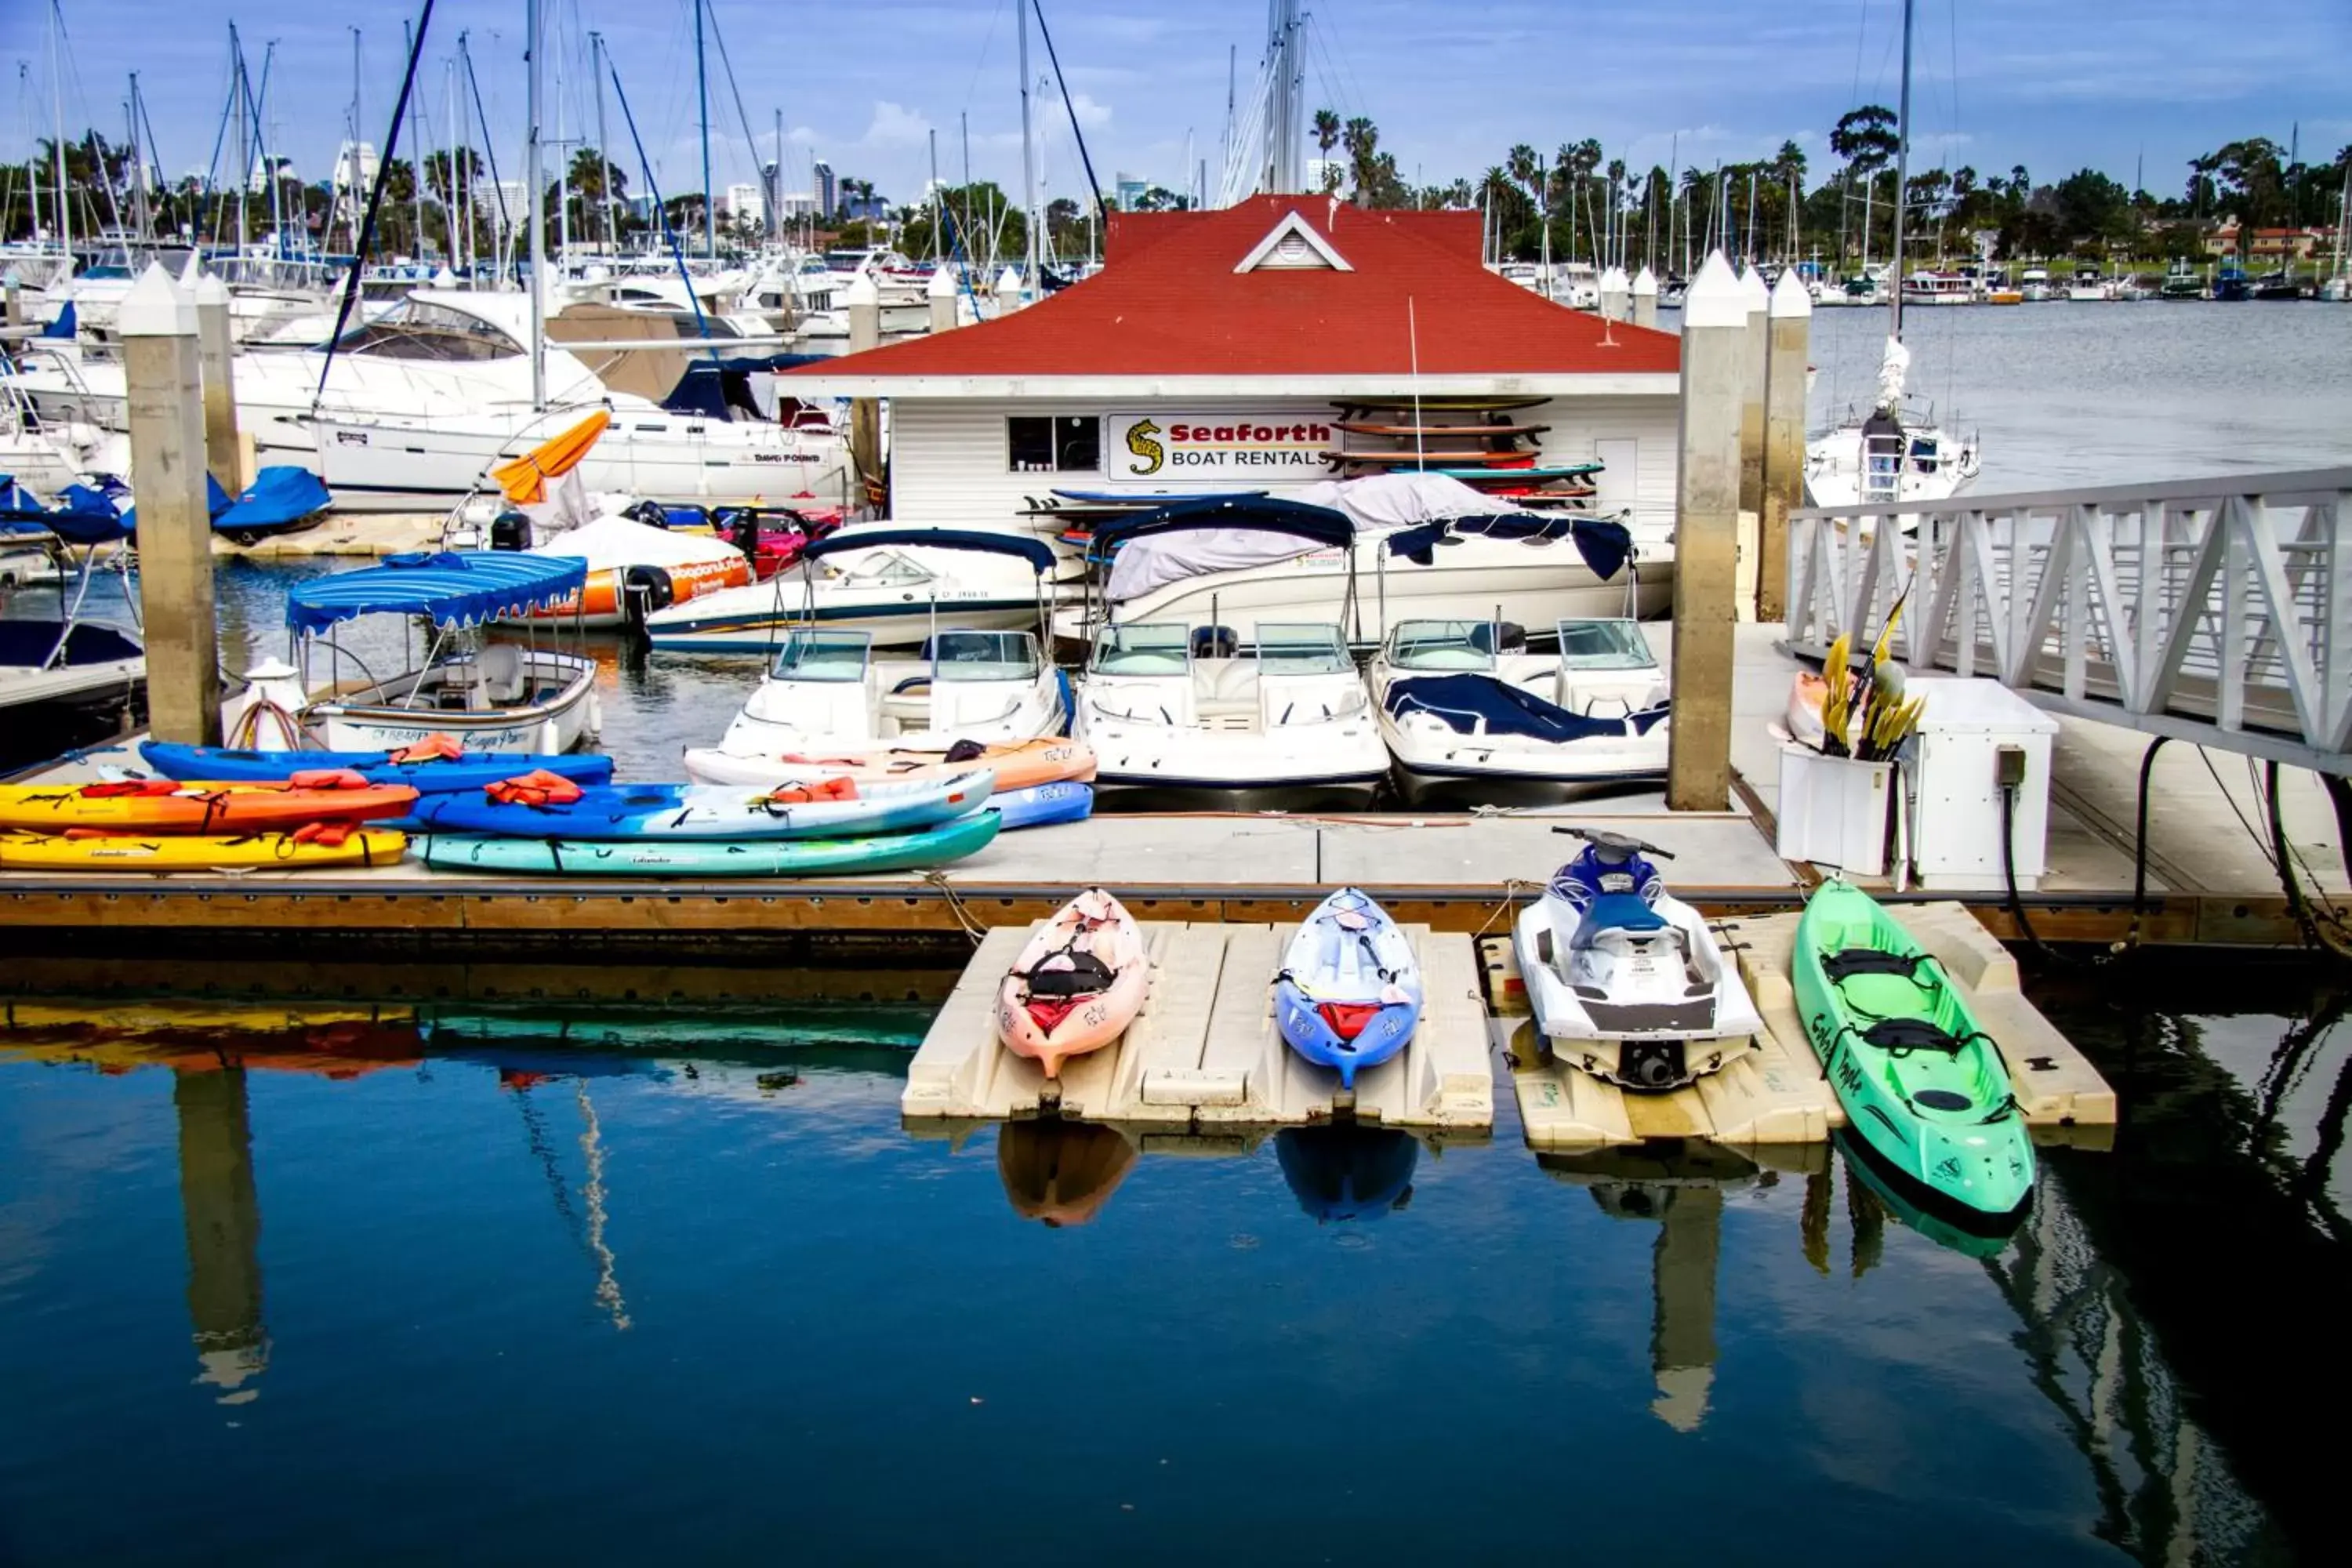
<point x="1871" y="1196"/>
<point x="1345" y="1170"/>
<point x="1062" y="1173"/>
<point x="591" y="1147"/>
<point x="223" y="1225"/>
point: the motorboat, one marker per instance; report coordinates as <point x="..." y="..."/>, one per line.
<point x="1926" y="288"/>
<point x="498" y="697"/>
<point x="635" y="569"/>
<point x="2089" y="287"/>
<point x="1625" y="980"/>
<point x="1383" y="550"/>
<point x="896" y="584"/>
<point x="2034" y="282"/>
<point x="1466" y="707"/>
<point x="828" y="693"/>
<point x="1167" y="706"/>
<point x="68" y="660"/>
<point x="1899" y="452"/>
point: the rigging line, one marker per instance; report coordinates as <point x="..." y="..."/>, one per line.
<point x="972" y="89"/>
<point x="727" y="64"/>
<point x="374" y="205"/>
<point x="489" y="145"/>
<point x="1084" y="157"/>
<point x="653" y="189"/>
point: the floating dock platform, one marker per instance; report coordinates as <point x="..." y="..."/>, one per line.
<point x="1205" y="1052"/>
<point x="1773" y="1091"/>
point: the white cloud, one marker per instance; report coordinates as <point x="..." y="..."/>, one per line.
<point x="895" y="125"/>
<point x="1090" y="113"/>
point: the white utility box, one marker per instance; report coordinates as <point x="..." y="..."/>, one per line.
<point x="1832" y="811"/>
<point x="1962" y="730"/>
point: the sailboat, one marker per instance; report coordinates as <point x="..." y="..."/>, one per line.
<point x="1898" y="451"/>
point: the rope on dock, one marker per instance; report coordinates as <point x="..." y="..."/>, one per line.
<point x="1512" y="887"/>
<point x="972" y="928"/>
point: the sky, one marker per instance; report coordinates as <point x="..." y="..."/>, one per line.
<point x="1452" y="84"/>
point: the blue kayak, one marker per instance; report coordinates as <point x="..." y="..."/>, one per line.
<point x="1041" y="806"/>
<point x="683" y="858"/>
<point x="472" y="771"/>
<point x="663" y="812"/>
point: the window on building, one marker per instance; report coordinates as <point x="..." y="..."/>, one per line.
<point x="1058" y="445"/>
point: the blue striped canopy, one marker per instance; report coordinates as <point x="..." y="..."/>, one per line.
<point x="454" y="587"/>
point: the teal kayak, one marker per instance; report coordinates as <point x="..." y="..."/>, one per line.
<point x="710" y="858"/>
<point x="1925" y="1091"/>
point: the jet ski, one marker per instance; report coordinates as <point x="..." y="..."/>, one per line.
<point x="1624" y="978"/>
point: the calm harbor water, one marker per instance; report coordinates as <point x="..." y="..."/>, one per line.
<point x="341" y="1294"/>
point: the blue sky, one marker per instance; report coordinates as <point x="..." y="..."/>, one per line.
<point x="1452" y="83"/>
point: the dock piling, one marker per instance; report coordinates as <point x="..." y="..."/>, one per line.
<point x="163" y="378"/>
<point x="1645" y="299"/>
<point x="1613" y="287"/>
<point x="941" y="296"/>
<point x="1706" y="537"/>
<point x="863" y="302"/>
<point x="216" y="352"/>
<point x="1757" y="299"/>
<point x="1788" y="323"/>
<point x="16" y="299"/>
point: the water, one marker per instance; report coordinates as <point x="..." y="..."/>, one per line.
<point x="531" y="1301"/>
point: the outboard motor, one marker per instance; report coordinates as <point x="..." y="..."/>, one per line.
<point x="644" y="590"/>
<point x="510" y="530"/>
<point x="742" y="530"/>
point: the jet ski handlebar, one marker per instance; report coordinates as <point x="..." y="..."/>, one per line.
<point x="1617" y="846"/>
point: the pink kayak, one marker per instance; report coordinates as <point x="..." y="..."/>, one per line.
<point x="1078" y="984"/>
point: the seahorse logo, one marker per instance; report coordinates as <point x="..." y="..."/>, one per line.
<point x="1139" y="442"/>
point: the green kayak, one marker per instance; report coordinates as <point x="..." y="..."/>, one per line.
<point x="1925" y="1089"/>
<point x="716" y="858"/>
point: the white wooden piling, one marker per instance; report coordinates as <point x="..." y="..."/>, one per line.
<point x="941" y="296"/>
<point x="15" y="298"/>
<point x="1788" y="323"/>
<point x="216" y="353"/>
<point x="164" y="377"/>
<point x="1757" y="301"/>
<point x="1614" y="288"/>
<point x="1706" y="538"/>
<point x="863" y="302"/>
<point x="1645" y="299"/>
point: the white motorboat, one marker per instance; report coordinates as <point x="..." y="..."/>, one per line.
<point x="66" y="659"/>
<point x="1926" y="287"/>
<point x="1624" y="979"/>
<point x="1244" y="560"/>
<point x="2034" y="284"/>
<point x="896" y="584"/>
<point x="828" y="694"/>
<point x="635" y="569"/>
<point x="490" y="696"/>
<point x="1465" y="707"/>
<point x="1167" y="706"/>
<point x="2089" y="287"/>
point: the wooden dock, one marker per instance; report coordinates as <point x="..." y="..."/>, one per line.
<point x="1774" y="1092"/>
<point x="1205" y="1052"/>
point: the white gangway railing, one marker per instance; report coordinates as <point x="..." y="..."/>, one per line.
<point x="2217" y="611"/>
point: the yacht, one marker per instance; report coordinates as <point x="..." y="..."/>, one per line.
<point x="1166" y="705"/>
<point x="2089" y="287"/>
<point x="1466" y="707"/>
<point x="2034" y="282"/>
<point x="1926" y="287"/>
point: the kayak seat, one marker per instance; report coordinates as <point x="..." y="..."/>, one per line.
<point x="1901" y="1037"/>
<point x="1617" y="911"/>
<point x="1843" y="965"/>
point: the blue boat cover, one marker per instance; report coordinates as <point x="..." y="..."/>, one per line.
<point x="1460" y="702"/>
<point x="85" y="514"/>
<point x="280" y="498"/>
<point x="454" y="587"/>
<point x="1321" y="524"/>
<point x="1037" y="552"/>
<point x="65" y="327"/>
<point x="1604" y="545"/>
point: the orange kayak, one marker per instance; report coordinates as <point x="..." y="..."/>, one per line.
<point x="1053" y="760"/>
<point x="162" y="805"/>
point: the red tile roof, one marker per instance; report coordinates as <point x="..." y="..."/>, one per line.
<point x="1169" y="303"/>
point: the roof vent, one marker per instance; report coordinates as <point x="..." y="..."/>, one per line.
<point x="1294" y="245"/>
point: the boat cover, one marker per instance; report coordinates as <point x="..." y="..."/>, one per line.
<point x="617" y="542"/>
<point x="1604" y="545"/>
<point x="281" y="497"/>
<point x="84" y="514"/>
<point x="1037" y="552"/>
<point x="1463" y="701"/>
<point x="1225" y="534"/>
<point x="454" y="587"/>
<point x="1395" y="501"/>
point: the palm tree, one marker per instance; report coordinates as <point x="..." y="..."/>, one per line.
<point x="1361" y="139"/>
<point x="1327" y="136"/>
<point x="1524" y="165"/>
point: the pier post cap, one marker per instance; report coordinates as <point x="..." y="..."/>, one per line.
<point x="1009" y="280"/>
<point x="1791" y="297"/>
<point x="1716" y="299"/>
<point x="445" y="278"/>
<point x="192" y="269"/>
<point x="1615" y="280"/>
<point x="861" y="291"/>
<point x="155" y="307"/>
<point x="1753" y="292"/>
<point x="943" y="283"/>
<point x="1645" y="281"/>
<point x="210" y="291"/>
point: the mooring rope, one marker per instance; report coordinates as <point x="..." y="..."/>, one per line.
<point x="972" y="928"/>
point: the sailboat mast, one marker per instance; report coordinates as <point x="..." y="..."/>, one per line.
<point x="531" y="202"/>
<point x="57" y="112"/>
<point x="702" y="116"/>
<point x="1028" y="160"/>
<point x="1902" y="167"/>
<point x="140" y="156"/>
<point x="352" y="188"/>
<point x="603" y="158"/>
<point x="415" y="150"/>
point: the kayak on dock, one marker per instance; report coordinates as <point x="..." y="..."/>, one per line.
<point x="435" y="775"/>
<point x="1077" y="985"/>
<point x="1927" y="1092"/>
<point x="306" y="850"/>
<point x="1052" y="760"/>
<point x="687" y="858"/>
<point x="637" y="812"/>
<point x="1043" y="805"/>
<point x="168" y="806"/>
<point x="1349" y="995"/>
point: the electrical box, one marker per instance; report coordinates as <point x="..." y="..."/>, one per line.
<point x="1832" y="811"/>
<point x="1972" y="733"/>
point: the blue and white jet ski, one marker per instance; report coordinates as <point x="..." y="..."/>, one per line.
<point x="1625" y="979"/>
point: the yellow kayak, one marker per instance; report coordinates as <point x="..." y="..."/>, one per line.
<point x="267" y="851"/>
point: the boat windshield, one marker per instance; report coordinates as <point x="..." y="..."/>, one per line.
<point x="1603" y="645"/>
<point x="822" y="656"/>
<point x="1301" y="648"/>
<point x="1441" y="644"/>
<point x="984" y="656"/>
<point x="421" y="330"/>
<point x="1155" y="648"/>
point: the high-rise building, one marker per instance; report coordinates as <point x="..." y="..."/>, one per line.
<point x="745" y="203"/>
<point x="828" y="197"/>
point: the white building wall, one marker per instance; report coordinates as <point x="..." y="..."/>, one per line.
<point x="950" y="461"/>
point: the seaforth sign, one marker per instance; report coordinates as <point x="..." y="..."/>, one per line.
<point x="1159" y="447"/>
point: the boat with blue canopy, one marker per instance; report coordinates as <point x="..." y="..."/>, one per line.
<point x="491" y="695"/>
<point x="67" y="659"/>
